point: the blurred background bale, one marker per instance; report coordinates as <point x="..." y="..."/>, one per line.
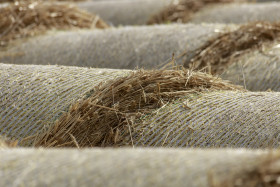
<point x="121" y="48"/>
<point x="28" y="18"/>
<point x="33" y="97"/>
<point x="247" y="56"/>
<point x="217" y="11"/>
<point x="149" y="167"/>
<point x="124" y="12"/>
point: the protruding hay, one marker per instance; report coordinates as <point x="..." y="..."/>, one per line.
<point x="6" y="143"/>
<point x="220" y="51"/>
<point x="27" y="18"/>
<point x="182" y="11"/>
<point x="98" y="120"/>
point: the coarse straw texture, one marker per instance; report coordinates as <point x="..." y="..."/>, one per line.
<point x="182" y="11"/>
<point x="219" y="52"/>
<point x="27" y="18"/>
<point x="98" y="120"/>
<point x="149" y="167"/>
<point x="32" y="97"/>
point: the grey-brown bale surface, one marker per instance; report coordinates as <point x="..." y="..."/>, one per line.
<point x="238" y="13"/>
<point x="125" y="12"/>
<point x="138" y="167"/>
<point x="121" y="48"/>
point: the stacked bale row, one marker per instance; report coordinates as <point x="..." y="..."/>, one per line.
<point x="138" y="167"/>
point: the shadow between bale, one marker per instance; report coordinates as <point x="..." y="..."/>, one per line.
<point x="27" y="18"/>
<point x="102" y="119"/>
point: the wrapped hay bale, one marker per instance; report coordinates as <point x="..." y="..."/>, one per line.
<point x="121" y="48"/>
<point x="247" y="56"/>
<point x="170" y="108"/>
<point x="217" y="11"/>
<point x="124" y="12"/>
<point x="27" y="18"/>
<point x="138" y="167"/>
<point x="33" y="97"/>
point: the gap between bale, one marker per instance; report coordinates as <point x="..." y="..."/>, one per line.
<point x="101" y="119"/>
<point x="183" y="10"/>
<point x="27" y="18"/>
<point x="219" y="52"/>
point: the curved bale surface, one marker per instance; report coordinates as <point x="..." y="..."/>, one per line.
<point x="124" y="12"/>
<point x="238" y="13"/>
<point x="258" y="70"/>
<point x="33" y="97"/>
<point x="123" y="167"/>
<point x="247" y="56"/>
<point x="170" y="108"/>
<point x="122" y="48"/>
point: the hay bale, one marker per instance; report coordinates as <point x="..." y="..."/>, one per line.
<point x="247" y="56"/>
<point x="182" y="11"/>
<point x="33" y="97"/>
<point x="121" y="48"/>
<point x="27" y="18"/>
<point x="177" y="108"/>
<point x="123" y="167"/>
<point x="238" y="13"/>
<point x="124" y="12"/>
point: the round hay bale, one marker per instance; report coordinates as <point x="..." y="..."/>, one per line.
<point x="170" y="108"/>
<point x="238" y="13"/>
<point x="124" y="12"/>
<point x="28" y="18"/>
<point x="121" y="48"/>
<point x="33" y="97"/>
<point x="123" y="167"/>
<point x="247" y="56"/>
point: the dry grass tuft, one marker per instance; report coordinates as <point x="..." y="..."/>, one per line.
<point x="101" y="119"/>
<point x="266" y="174"/>
<point x="220" y="51"/>
<point x="6" y="143"/>
<point x="27" y="18"/>
<point x="182" y="11"/>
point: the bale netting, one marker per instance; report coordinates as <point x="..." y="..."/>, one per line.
<point x="170" y="108"/>
<point x="124" y="12"/>
<point x="33" y="97"/>
<point x="246" y="56"/>
<point x="139" y="167"/>
<point x="27" y="18"/>
<point x="217" y="11"/>
<point x="120" y="48"/>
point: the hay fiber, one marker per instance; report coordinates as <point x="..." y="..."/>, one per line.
<point x="6" y="143"/>
<point x="149" y="167"/>
<point x="119" y="48"/>
<point x="27" y="18"/>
